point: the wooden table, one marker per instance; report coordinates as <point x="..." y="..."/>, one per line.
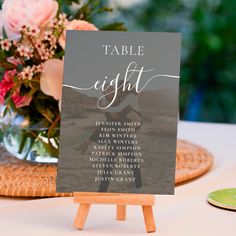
<point x="186" y="213"/>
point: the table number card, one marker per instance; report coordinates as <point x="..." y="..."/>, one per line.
<point x="119" y="112"/>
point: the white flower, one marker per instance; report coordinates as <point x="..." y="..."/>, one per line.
<point x="27" y="73"/>
<point x="33" y="31"/>
<point x="25" y="51"/>
<point x="5" y="44"/>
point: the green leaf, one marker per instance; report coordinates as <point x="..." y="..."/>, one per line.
<point x="32" y="140"/>
<point x="12" y="105"/>
<point x="83" y="13"/>
<point x="23" y="139"/>
<point x="2" y="72"/>
<point x="118" y="26"/>
<point x="91" y="8"/>
<point x="19" y="68"/>
<point x="2" y="55"/>
<point x="6" y="110"/>
<point x="60" y="54"/>
<point x="42" y="96"/>
<point x="27" y="137"/>
<point x="105" y="9"/>
<point x="65" y="6"/>
<point x="4" y="33"/>
<point x="50" y="148"/>
<point x="69" y="2"/>
<point x="7" y="65"/>
<point x="7" y="96"/>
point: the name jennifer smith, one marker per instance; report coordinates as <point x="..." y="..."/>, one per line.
<point x="118" y="123"/>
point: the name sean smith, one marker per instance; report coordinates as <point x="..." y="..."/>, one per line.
<point x="123" y="50"/>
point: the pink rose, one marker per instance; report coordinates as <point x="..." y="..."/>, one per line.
<point x="76" y="25"/>
<point x="21" y="101"/>
<point x="10" y="35"/>
<point x="52" y="78"/>
<point x="36" y="13"/>
<point x="6" y="84"/>
<point x="1" y="23"/>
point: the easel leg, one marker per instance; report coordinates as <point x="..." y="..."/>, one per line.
<point x="81" y="216"/>
<point x="149" y="219"/>
<point x="121" y="212"/>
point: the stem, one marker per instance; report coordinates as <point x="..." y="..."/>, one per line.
<point x="31" y="144"/>
<point x="37" y="54"/>
<point x="7" y="66"/>
<point x="56" y="141"/>
<point x="47" y="117"/>
<point x="54" y="124"/>
<point x="22" y="143"/>
<point x="17" y="55"/>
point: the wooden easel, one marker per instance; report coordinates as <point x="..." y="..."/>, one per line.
<point x="121" y="200"/>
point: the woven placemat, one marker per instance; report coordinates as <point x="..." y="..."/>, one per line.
<point x="191" y="161"/>
<point x="24" y="179"/>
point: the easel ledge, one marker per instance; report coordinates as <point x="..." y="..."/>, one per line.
<point x="85" y="200"/>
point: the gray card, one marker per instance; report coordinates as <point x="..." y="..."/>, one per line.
<point x="119" y="112"/>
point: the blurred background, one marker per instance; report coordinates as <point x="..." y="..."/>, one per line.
<point x="208" y="70"/>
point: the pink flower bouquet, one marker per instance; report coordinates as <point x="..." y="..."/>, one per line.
<point x="32" y="44"/>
